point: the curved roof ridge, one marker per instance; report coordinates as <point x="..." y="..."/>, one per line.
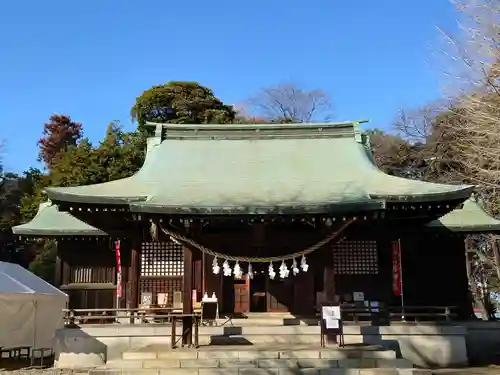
<point x="256" y="131"/>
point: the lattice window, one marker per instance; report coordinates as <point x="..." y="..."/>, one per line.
<point x="155" y="286"/>
<point x="162" y="259"/>
<point x="355" y="258"/>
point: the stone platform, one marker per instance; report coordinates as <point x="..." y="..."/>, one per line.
<point x="422" y="345"/>
<point x="259" y="360"/>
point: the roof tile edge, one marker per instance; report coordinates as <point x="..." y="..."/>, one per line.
<point x="257" y="131"/>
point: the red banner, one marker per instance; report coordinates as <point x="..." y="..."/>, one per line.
<point x="118" y="270"/>
<point x="396" y="269"/>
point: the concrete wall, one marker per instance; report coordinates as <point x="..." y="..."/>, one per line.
<point x="483" y="342"/>
<point x="424" y="346"/>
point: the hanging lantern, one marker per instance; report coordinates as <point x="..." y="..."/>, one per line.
<point x="250" y="271"/>
<point x="303" y="264"/>
<point x="237" y="271"/>
<point x="215" y="266"/>
<point x="295" y="269"/>
<point x="226" y="270"/>
<point x="271" y="272"/>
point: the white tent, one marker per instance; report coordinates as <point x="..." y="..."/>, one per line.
<point x="30" y="308"/>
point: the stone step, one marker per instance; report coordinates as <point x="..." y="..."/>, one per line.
<point x="258" y="330"/>
<point x="228" y="353"/>
<point x="171" y="363"/>
<point x="272" y="321"/>
<point x="249" y="340"/>
<point x="271" y="339"/>
<point x="260" y="371"/>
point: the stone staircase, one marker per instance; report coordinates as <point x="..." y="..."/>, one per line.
<point x="274" y="359"/>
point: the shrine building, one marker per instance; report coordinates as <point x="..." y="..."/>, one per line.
<point x="269" y="218"/>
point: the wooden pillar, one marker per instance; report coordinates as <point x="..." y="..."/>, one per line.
<point x="328" y="271"/>
<point x="134" y="274"/>
<point x="58" y="271"/>
<point x="125" y="254"/>
<point x="329" y="283"/>
<point x="303" y="292"/>
<point x="197" y="272"/>
<point x="63" y="268"/>
<point x="203" y="274"/>
<point x="187" y="300"/>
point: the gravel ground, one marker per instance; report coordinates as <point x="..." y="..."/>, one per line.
<point x="489" y="370"/>
<point x="47" y="371"/>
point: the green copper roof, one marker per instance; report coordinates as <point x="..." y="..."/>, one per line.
<point x="470" y="218"/>
<point x="258" y="169"/>
<point x="49" y="221"/>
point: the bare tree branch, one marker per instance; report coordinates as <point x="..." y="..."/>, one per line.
<point x="290" y="103"/>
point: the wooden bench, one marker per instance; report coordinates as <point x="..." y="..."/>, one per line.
<point x="43" y="354"/>
<point x="16" y="352"/>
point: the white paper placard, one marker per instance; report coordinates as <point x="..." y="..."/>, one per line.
<point x="162" y="299"/>
<point x="146" y="299"/>
<point x="358" y="296"/>
<point x="330" y="312"/>
<point x="331" y="323"/>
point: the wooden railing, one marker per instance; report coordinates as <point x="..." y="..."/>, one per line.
<point x="74" y="317"/>
<point x="396" y="313"/>
<point x="350" y="313"/>
<point x="160" y="314"/>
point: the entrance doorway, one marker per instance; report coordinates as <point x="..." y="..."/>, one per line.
<point x="258" y="294"/>
<point x="241" y="295"/>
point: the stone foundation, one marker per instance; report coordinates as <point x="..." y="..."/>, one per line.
<point x="424" y="346"/>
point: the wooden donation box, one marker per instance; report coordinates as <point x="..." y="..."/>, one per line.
<point x="209" y="310"/>
<point x="331" y="324"/>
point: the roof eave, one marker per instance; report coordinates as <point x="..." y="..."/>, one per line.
<point x="463" y="193"/>
<point x="313" y="209"/>
<point x="482" y="228"/>
<point x="60" y="196"/>
<point x="56" y="233"/>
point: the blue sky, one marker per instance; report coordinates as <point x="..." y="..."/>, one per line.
<point x="91" y="59"/>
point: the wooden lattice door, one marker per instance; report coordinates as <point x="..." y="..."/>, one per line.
<point x="242" y="295"/>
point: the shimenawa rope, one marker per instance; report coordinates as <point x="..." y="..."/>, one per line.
<point x="206" y="250"/>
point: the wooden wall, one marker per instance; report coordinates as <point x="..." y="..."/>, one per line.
<point x="434" y="272"/>
<point x="86" y="271"/>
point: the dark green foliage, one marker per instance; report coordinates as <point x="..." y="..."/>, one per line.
<point x="181" y="103"/>
<point x="12" y="190"/>
<point x="43" y="265"/>
<point x="119" y="155"/>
